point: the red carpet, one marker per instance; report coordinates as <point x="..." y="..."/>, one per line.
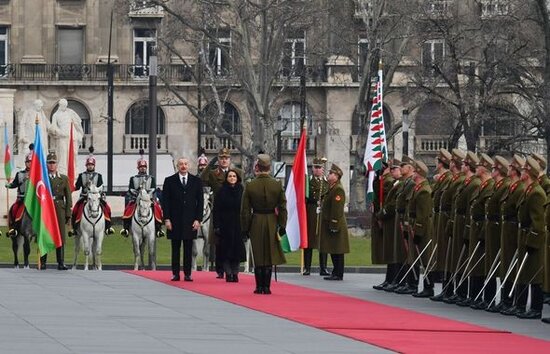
<point x="381" y="325"/>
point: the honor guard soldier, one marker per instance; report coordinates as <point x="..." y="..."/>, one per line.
<point x="509" y="234"/>
<point x="444" y="177"/>
<point x="83" y="183"/>
<point x="392" y="243"/>
<point x="61" y="193"/>
<point x="263" y="217"/>
<point x="318" y="187"/>
<point x="202" y="162"/>
<point x="141" y="180"/>
<point x="18" y="208"/>
<point x="493" y="224"/>
<point x="334" y="229"/>
<point x="531" y="242"/>
<point x="214" y="178"/>
<point x="476" y="237"/>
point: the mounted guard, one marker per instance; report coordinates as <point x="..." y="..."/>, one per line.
<point x="83" y="183"/>
<point x="142" y="180"/>
<point x="18" y="208"/>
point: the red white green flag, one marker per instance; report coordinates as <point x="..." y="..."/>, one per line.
<point x="296" y="192"/>
<point x="39" y="201"/>
<point x="8" y="163"/>
<point x="376" y="150"/>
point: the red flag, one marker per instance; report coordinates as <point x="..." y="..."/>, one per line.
<point x="70" y="163"/>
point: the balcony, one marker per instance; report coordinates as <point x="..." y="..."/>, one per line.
<point x="144" y="9"/>
<point x="290" y="144"/>
<point x="212" y="144"/>
<point x="133" y="143"/>
<point x="430" y="144"/>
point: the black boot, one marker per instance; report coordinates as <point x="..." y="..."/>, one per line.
<point x="323" y="271"/>
<point x="258" y="275"/>
<point x="267" y="280"/>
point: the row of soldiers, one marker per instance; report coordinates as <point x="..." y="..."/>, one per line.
<point x="480" y="219"/>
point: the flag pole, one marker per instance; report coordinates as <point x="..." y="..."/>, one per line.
<point x="381" y="142"/>
<point x="8" y="178"/>
<point x="304" y="127"/>
<point x="38" y="262"/>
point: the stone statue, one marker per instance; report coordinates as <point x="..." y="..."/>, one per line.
<point x="61" y="128"/>
<point x="26" y="128"/>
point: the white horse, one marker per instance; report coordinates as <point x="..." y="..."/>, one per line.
<point x="143" y="230"/>
<point x="92" y="230"/>
<point x="201" y="242"/>
<point x="23" y="239"/>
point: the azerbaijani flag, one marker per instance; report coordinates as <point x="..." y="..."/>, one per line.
<point x="8" y="162"/>
<point x="296" y="192"/>
<point x="70" y="163"/>
<point x="39" y="201"/>
<point x="376" y="150"/>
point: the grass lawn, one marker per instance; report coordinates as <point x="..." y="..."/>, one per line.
<point x="118" y="250"/>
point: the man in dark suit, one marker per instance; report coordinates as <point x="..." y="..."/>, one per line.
<point x="182" y="204"/>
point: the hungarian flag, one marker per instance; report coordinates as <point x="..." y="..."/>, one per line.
<point x="376" y="148"/>
<point x="39" y="201"/>
<point x="70" y="163"/>
<point x="7" y="155"/>
<point x="296" y="192"/>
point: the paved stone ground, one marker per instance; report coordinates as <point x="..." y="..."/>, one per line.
<point x="114" y="312"/>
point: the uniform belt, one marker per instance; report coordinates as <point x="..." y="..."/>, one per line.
<point x="493" y="218"/>
<point x="312" y="202"/>
<point x="460" y="211"/>
<point x="510" y="218"/>
<point x="412" y="215"/>
<point x="401" y="211"/>
<point x="524" y="226"/>
<point x="445" y="210"/>
<point x="460" y="214"/>
<point x="263" y="211"/>
<point x="478" y="218"/>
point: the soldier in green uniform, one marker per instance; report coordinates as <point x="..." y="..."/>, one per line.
<point x="393" y="244"/>
<point x="334" y="229"/>
<point x="376" y="236"/>
<point x="318" y="187"/>
<point x="509" y="233"/>
<point x="493" y="225"/>
<point x="410" y="286"/>
<point x="214" y="178"/>
<point x="61" y="193"/>
<point x="420" y="223"/>
<point x="476" y="236"/>
<point x="461" y="226"/>
<point x="446" y="221"/>
<point x="531" y="242"/>
<point x="263" y="216"/>
<point x="442" y="181"/>
<point x="544" y="182"/>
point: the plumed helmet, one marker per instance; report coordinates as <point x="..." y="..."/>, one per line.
<point x="203" y="160"/>
<point x="90" y="161"/>
<point x="141" y="163"/>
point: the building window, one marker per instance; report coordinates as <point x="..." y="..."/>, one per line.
<point x="4" y="58"/>
<point x="294" y="59"/>
<point x="492" y="8"/>
<point x="291" y="115"/>
<point x="437" y="7"/>
<point x="145" y="39"/>
<point x="362" y="52"/>
<point x="137" y="119"/>
<point x="219" y="52"/>
<point x="433" y="52"/>
<point x="70" y="44"/>
<point x="231" y="122"/>
<point x="82" y="112"/>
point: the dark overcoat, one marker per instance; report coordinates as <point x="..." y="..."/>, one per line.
<point x="377" y="232"/>
<point x="182" y="205"/>
<point x="477" y="226"/>
<point x="510" y="227"/>
<point x="227" y="209"/>
<point x="439" y="237"/>
<point x="420" y="219"/>
<point x="334" y="219"/>
<point x="317" y="189"/>
<point x="392" y="244"/>
<point x="61" y="192"/>
<point x="493" y="222"/>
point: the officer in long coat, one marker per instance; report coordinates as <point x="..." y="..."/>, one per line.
<point x="318" y="187"/>
<point x="476" y="237"/>
<point x="214" y="178"/>
<point x="531" y="242"/>
<point x="493" y="223"/>
<point x="61" y="193"/>
<point x="509" y="234"/>
<point x="263" y="217"/>
<point x="446" y="221"/>
<point x="421" y="224"/>
<point x="334" y="228"/>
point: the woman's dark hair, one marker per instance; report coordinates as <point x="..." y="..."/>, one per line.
<point x="239" y="179"/>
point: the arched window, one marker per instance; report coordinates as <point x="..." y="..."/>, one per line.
<point x="137" y="119"/>
<point x="290" y="113"/>
<point x="82" y="112"/>
<point x="433" y="118"/>
<point x="356" y="123"/>
<point x="499" y="121"/>
<point x="231" y="121"/>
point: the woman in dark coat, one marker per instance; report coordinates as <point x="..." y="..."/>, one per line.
<point x="227" y="225"/>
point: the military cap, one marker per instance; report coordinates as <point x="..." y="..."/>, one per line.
<point x="406" y="161"/>
<point x="395" y="163"/>
<point x="458" y="155"/>
<point x="541" y="160"/>
<point x="485" y="161"/>
<point x="471" y="159"/>
<point x="501" y="164"/>
<point x="52" y="157"/>
<point x="444" y="156"/>
<point x="532" y="167"/>
<point x="336" y="170"/>
<point x="319" y="161"/>
<point x="224" y="152"/>
<point x="264" y="160"/>
<point x="421" y="168"/>
<point x="517" y="162"/>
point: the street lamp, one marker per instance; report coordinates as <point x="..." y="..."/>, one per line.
<point x="153" y="113"/>
<point x="405" y="132"/>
